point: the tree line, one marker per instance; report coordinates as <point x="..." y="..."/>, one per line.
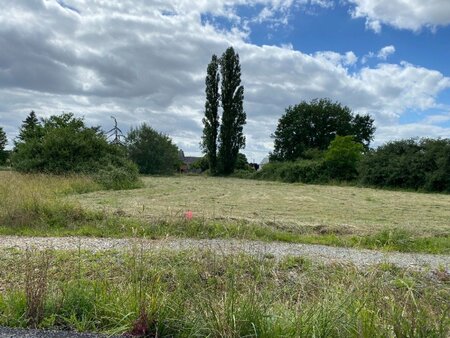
<point x="62" y="144"/>
<point x="314" y="142"/>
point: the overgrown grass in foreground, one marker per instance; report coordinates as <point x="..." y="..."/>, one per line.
<point x="36" y="200"/>
<point x="196" y="293"/>
<point x="35" y="205"/>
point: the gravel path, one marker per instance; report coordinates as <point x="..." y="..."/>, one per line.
<point x="6" y="332"/>
<point x="326" y="254"/>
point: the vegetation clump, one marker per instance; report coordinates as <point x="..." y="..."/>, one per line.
<point x="409" y="164"/>
<point x="63" y="144"/>
<point x="153" y="152"/>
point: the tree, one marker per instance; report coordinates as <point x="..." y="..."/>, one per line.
<point x="31" y="128"/>
<point x="3" y="139"/>
<point x="342" y="157"/>
<point x="211" y="119"/>
<point x="64" y="144"/>
<point x="231" y="137"/>
<point x="153" y="152"/>
<point x="3" y="143"/>
<point x="314" y="125"/>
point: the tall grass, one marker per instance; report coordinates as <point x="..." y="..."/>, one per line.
<point x="36" y="199"/>
<point x="202" y="294"/>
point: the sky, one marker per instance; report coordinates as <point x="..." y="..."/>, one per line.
<point x="145" y="61"/>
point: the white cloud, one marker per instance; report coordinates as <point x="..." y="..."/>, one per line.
<point x="143" y="62"/>
<point x="384" y="52"/>
<point x="411" y="130"/>
<point x="412" y="14"/>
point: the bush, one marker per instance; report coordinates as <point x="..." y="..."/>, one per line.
<point x="305" y="171"/>
<point x="342" y="157"/>
<point x="411" y="164"/>
<point x="118" y="178"/>
<point x="202" y="164"/>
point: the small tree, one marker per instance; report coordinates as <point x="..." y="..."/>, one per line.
<point x="3" y="143"/>
<point x="153" y="152"/>
<point x="231" y="137"/>
<point x="342" y="157"/>
<point x="31" y="128"/>
<point x="211" y="119"/>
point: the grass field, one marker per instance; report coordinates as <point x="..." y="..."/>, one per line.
<point x="202" y="293"/>
<point x="226" y="208"/>
<point x="347" y="208"/>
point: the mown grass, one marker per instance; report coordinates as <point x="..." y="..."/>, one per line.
<point x="199" y="293"/>
<point x="351" y="209"/>
<point x="40" y="205"/>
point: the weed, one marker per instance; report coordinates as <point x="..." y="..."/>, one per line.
<point x="36" y="279"/>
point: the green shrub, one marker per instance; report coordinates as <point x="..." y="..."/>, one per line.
<point x="305" y="171"/>
<point x="409" y="164"/>
<point x="244" y="173"/>
<point x="113" y="177"/>
<point x="342" y="158"/>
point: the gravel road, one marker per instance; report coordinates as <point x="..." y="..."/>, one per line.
<point x="6" y="332"/>
<point x="325" y="254"/>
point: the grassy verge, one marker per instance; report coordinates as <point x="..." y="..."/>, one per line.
<point x="201" y="294"/>
<point x="102" y="225"/>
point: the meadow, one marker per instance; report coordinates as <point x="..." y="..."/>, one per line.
<point x="344" y="209"/>
<point x="194" y="293"/>
<point x="40" y="205"/>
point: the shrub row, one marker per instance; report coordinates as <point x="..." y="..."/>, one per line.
<point x="422" y="165"/>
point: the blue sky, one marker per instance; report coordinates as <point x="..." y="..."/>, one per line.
<point x="145" y="61"/>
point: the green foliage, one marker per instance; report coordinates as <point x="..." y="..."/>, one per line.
<point x="31" y="128"/>
<point x="231" y="136"/>
<point x="410" y="164"/>
<point x="113" y="177"/>
<point x="211" y="119"/>
<point x="153" y="152"/>
<point x="202" y="164"/>
<point x="63" y="144"/>
<point x="305" y="171"/>
<point x="342" y="158"/>
<point x="3" y="139"/>
<point x="314" y="125"/>
<point x="192" y="294"/>
<point x="3" y="143"/>
<point x="241" y="162"/>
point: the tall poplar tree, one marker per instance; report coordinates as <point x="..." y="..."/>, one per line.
<point x="231" y="136"/>
<point x="3" y="143"/>
<point x="211" y="119"/>
<point x="3" y="139"/>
